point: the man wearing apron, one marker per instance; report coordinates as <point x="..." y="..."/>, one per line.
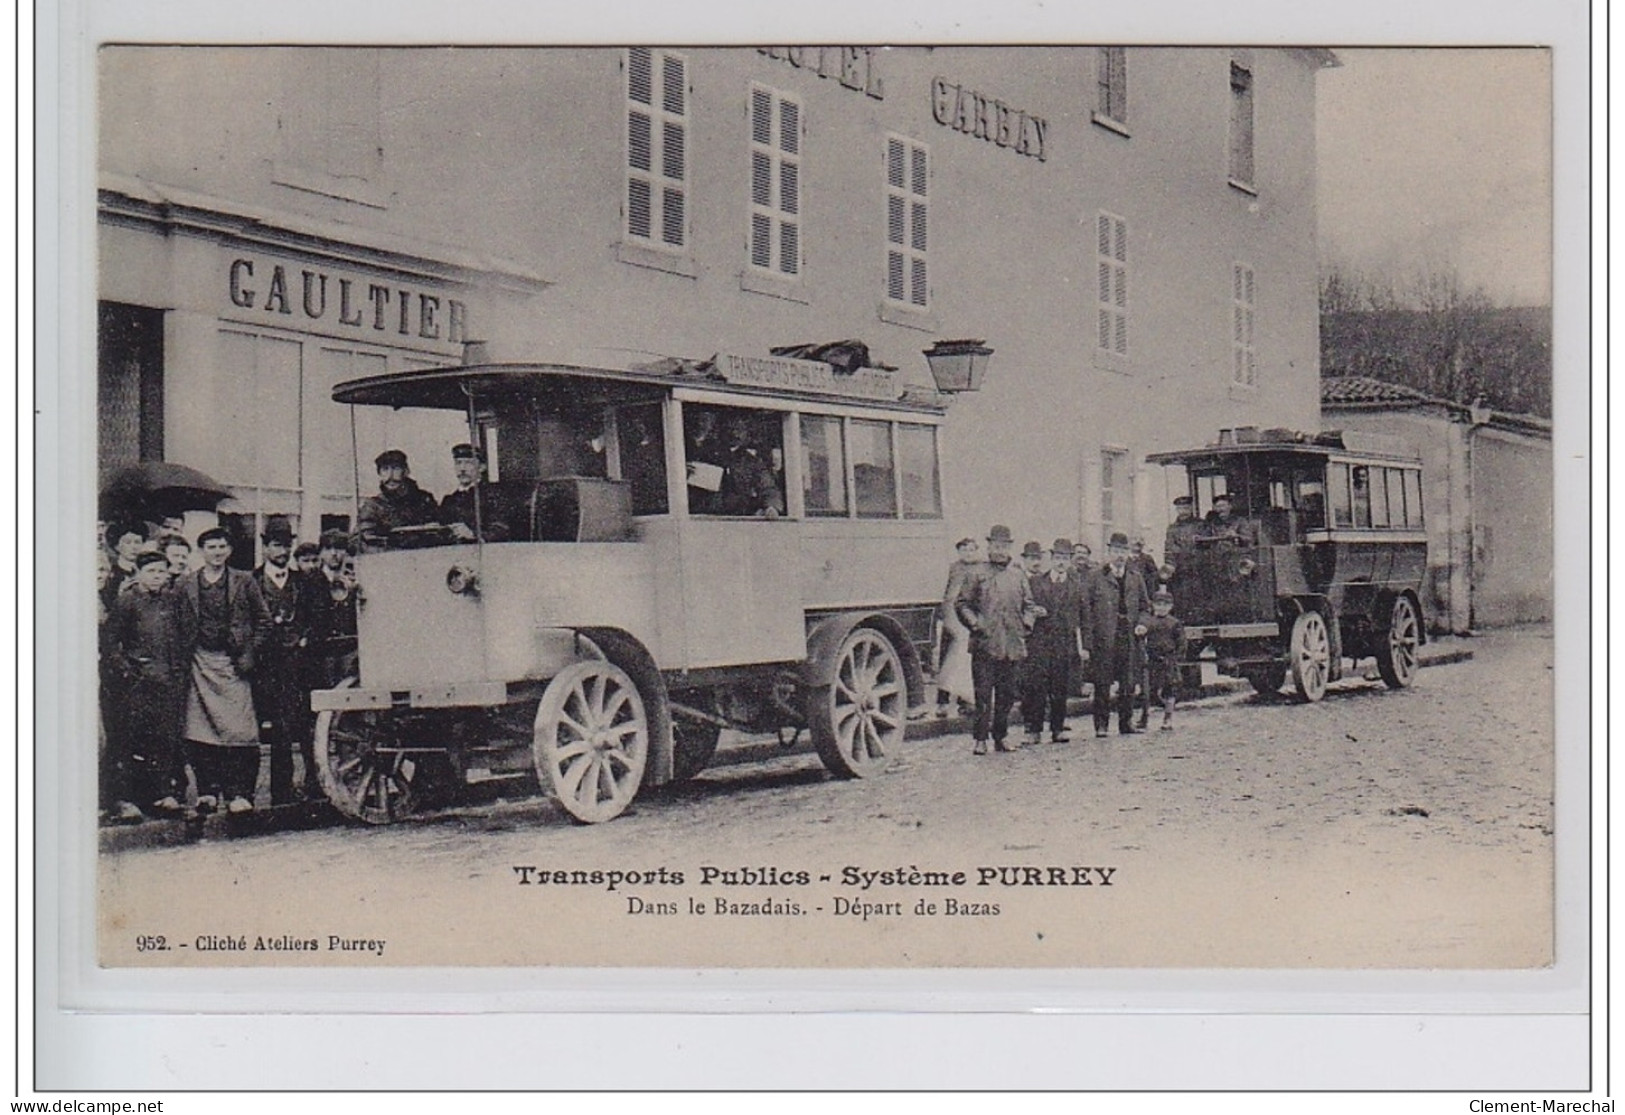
<point x="223" y="622"/>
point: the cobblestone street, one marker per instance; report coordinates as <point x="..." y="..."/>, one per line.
<point x="1377" y="828"/>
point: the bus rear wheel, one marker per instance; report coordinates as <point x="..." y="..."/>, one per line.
<point x="858" y="721"/>
<point x="363" y="781"/>
<point x="1397" y="657"/>
<point x="1267" y="680"/>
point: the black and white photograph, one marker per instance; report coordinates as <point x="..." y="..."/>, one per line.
<point x="983" y="516"/>
<point x="824" y="506"/>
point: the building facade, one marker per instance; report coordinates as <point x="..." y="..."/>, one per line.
<point x="1487" y="497"/>
<point x="1130" y="229"/>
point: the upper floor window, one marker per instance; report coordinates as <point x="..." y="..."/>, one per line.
<point x="1244" y="361"/>
<point x="775" y="182"/>
<point x="907" y="216"/>
<point x="657" y="147"/>
<point x="1111" y="85"/>
<point x="1241" y="125"/>
<point x="1111" y="265"/>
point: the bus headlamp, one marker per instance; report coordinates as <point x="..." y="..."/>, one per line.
<point x="462" y="580"/>
<point x="1246" y="566"/>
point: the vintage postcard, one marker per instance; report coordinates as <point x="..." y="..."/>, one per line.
<point x="844" y="506"/>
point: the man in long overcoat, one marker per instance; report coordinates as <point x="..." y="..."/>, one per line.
<point x="1115" y="606"/>
<point x="279" y="696"/>
<point x="996" y="605"/>
<point x="1053" y="647"/>
<point x="224" y="624"/>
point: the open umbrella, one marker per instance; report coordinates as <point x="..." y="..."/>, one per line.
<point x="153" y="489"/>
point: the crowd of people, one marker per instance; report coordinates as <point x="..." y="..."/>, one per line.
<point x="1032" y="632"/>
<point x="202" y="664"/>
<point x="1032" y="629"/>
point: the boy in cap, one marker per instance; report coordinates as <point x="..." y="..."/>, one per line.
<point x="399" y="502"/>
<point x="996" y="605"/>
<point x="144" y="634"/>
<point x="1164" y="650"/>
<point x="1055" y="645"/>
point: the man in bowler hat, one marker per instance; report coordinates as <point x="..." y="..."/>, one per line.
<point x="996" y="605"/>
<point x="1115" y="607"/>
<point x="280" y="699"/>
<point x="1055" y="645"/>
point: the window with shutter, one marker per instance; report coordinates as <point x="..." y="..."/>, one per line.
<point x="775" y="242"/>
<point x="1111" y="293"/>
<point x="1241" y="125"/>
<point x="908" y="214"/>
<point x="656" y="199"/>
<point x="1111" y="84"/>
<point x="1244" y="358"/>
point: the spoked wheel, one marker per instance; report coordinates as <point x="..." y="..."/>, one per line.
<point x="1397" y="658"/>
<point x="1267" y="680"/>
<point x="592" y="740"/>
<point x="1311" y="656"/>
<point x="859" y="719"/>
<point x="363" y="783"/>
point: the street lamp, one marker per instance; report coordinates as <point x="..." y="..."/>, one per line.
<point x="958" y="365"/>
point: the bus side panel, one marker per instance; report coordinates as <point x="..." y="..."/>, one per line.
<point x="740" y="599"/>
<point x="853" y="563"/>
<point x="531" y="589"/>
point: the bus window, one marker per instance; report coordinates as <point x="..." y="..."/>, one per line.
<point x="1337" y="478"/>
<point x="1208" y="487"/>
<point x="1311" y="503"/>
<point x="917" y="453"/>
<point x="1379" y="498"/>
<point x="1361" y="484"/>
<point x="874" y="476"/>
<point x="823" y="465"/>
<point x="642" y="444"/>
<point x="1413" y="498"/>
<point x="735" y="461"/>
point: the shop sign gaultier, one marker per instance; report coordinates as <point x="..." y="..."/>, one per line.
<point x="323" y="299"/>
<point x="785" y="373"/>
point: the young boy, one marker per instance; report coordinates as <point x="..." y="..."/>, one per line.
<point x="145" y="636"/>
<point x="1164" y="648"/>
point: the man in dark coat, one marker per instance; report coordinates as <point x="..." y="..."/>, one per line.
<point x="279" y="695"/>
<point x="399" y="502"/>
<point x="144" y="637"/>
<point x="1053" y="648"/>
<point x="487" y="523"/>
<point x="995" y="604"/>
<point x="331" y="607"/>
<point x="224" y="625"/>
<point x="1115" y="606"/>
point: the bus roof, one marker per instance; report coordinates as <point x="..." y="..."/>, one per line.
<point x="1332" y="443"/>
<point x="449" y="388"/>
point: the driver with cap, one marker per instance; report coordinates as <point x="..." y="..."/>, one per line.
<point x="487" y="522"/>
<point x="399" y="502"/>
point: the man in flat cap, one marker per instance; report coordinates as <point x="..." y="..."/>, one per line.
<point x="1182" y="532"/>
<point x="1115" y="607"/>
<point x="1055" y="645"/>
<point x="224" y="626"/>
<point x="279" y="697"/>
<point x="474" y="511"/>
<point x="399" y="502"/>
<point x="996" y="605"/>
